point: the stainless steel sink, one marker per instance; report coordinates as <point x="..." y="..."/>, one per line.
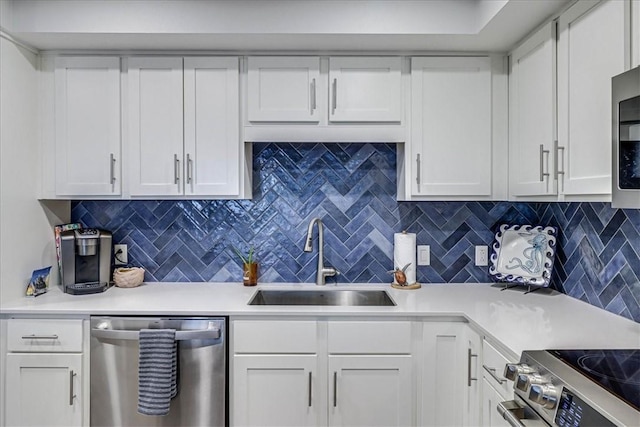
<point x="322" y="297"/>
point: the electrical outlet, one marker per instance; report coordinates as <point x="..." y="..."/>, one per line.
<point x="482" y="256"/>
<point x="120" y="254"/>
<point x="424" y="255"/>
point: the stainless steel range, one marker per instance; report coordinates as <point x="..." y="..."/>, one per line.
<point x="575" y="388"/>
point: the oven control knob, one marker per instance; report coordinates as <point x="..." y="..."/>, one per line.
<point x="544" y="394"/>
<point x="512" y="370"/>
<point x="525" y="381"/>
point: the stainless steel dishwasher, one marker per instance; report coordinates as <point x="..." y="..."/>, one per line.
<point x="202" y="371"/>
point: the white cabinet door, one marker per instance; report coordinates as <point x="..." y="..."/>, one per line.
<point x="490" y="400"/>
<point x="451" y="126"/>
<point x="445" y="373"/>
<point x="284" y="89"/>
<point x="44" y="389"/>
<point x="155" y="126"/>
<point x="532" y="115"/>
<point x="87" y="126"/>
<point x="591" y="50"/>
<point x="370" y="390"/>
<point x="211" y="127"/>
<point x="365" y="89"/>
<point x="276" y="390"/>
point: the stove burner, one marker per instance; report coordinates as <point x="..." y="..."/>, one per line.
<point x="615" y="370"/>
<point x="598" y="365"/>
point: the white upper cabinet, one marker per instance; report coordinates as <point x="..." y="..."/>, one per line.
<point x="320" y="90"/>
<point x="365" y="89"/>
<point x="532" y="115"/>
<point x="451" y="127"/>
<point x="592" y="48"/>
<point x="211" y="126"/>
<point x="183" y="126"/>
<point x="560" y="104"/>
<point x="87" y="126"/>
<point x="283" y="89"/>
<point x="155" y="126"/>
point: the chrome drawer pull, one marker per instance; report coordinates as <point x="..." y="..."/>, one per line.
<point x="39" y="337"/>
<point x="492" y="372"/>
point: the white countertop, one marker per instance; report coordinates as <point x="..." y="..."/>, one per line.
<point x="540" y="320"/>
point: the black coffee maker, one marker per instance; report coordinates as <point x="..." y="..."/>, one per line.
<point x="86" y="260"/>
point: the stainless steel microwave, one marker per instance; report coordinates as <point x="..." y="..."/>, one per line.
<point x="625" y="94"/>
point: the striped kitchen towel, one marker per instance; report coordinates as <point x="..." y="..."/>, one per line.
<point x="157" y="371"/>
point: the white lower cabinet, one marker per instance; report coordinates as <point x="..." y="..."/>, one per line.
<point x="44" y="389"/>
<point x="450" y="381"/>
<point x="318" y="373"/>
<point x="370" y="390"/>
<point x="45" y="366"/>
<point x="275" y="390"/>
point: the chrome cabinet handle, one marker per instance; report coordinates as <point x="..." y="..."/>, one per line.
<point x="335" y="389"/>
<point x="189" y="169"/>
<point x="71" y="391"/>
<point x="470" y="355"/>
<point x="418" y="170"/>
<point x="309" y="389"/>
<point x="176" y="169"/>
<point x="39" y="337"/>
<point x="335" y="95"/>
<point x="559" y="160"/>
<point x="543" y="174"/>
<point x="112" y="168"/>
<point x="492" y="372"/>
<point x="313" y="95"/>
<point x="116" y="334"/>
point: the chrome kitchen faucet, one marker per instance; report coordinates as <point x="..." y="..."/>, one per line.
<point x="323" y="271"/>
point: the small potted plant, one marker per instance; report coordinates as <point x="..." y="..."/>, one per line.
<point x="249" y="267"/>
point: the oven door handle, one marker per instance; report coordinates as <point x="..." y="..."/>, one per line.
<point x="511" y="412"/>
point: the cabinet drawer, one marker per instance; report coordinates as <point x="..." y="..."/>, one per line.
<point x="274" y="336"/>
<point x="370" y="337"/>
<point x="44" y="335"/>
<point x="493" y="363"/>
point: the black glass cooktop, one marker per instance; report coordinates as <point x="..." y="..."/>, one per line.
<point x="616" y="370"/>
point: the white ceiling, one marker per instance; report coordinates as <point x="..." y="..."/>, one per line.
<point x="283" y="25"/>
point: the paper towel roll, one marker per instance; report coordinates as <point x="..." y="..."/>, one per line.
<point x="404" y="252"/>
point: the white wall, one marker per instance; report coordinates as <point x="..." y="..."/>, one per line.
<point x="26" y="234"/>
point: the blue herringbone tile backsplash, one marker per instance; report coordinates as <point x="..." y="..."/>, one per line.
<point x="352" y="187"/>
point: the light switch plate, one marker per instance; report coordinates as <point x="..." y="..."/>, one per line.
<point x="424" y="255"/>
<point x="482" y="256"/>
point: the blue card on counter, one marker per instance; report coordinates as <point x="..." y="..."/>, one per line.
<point x="39" y="283"/>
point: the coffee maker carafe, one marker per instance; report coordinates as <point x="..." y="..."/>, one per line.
<point x="86" y="260"/>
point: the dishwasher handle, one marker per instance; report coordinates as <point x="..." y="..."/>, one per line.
<point x="211" y="333"/>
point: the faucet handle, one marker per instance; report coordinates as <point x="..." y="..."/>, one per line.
<point x="330" y="271"/>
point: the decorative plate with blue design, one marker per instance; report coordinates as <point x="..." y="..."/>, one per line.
<point x="523" y="254"/>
